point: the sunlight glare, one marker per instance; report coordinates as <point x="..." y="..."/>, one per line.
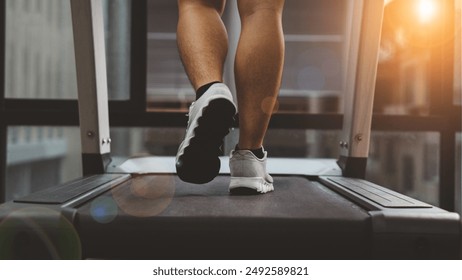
<point x="426" y="10"/>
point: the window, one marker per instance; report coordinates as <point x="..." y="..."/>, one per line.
<point x="39" y="50"/>
<point x="117" y="14"/>
<point x="167" y="85"/>
<point x="415" y="156"/>
<point x="40" y="64"/>
<point x="39" y="157"/>
<point x="413" y="67"/>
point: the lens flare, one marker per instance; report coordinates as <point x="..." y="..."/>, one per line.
<point x="37" y="233"/>
<point x="146" y="195"/>
<point x="426" y="10"/>
<point x="104" y="209"/>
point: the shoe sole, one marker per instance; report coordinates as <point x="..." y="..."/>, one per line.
<point x="200" y="161"/>
<point x="249" y="185"/>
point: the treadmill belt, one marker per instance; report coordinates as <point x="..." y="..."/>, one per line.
<point x="168" y="196"/>
<point x="159" y="216"/>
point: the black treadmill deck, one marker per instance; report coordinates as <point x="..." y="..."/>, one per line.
<point x="167" y="196"/>
<point x="157" y="216"/>
<point x="160" y="213"/>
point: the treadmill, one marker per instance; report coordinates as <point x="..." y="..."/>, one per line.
<point x="139" y="209"/>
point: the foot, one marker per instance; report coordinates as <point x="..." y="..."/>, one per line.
<point x="248" y="173"/>
<point x="210" y="118"/>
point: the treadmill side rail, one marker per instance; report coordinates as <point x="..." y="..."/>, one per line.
<point x="75" y="192"/>
<point x="31" y="231"/>
<point x="415" y="235"/>
<point x="44" y="225"/>
<point x="400" y="225"/>
<point x="410" y="222"/>
<point x="377" y="194"/>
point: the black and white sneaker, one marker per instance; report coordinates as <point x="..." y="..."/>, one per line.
<point x="210" y="118"/>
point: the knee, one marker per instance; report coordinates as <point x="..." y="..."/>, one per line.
<point x="271" y="7"/>
<point x="218" y="5"/>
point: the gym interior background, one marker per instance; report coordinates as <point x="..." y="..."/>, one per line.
<point x="416" y="139"/>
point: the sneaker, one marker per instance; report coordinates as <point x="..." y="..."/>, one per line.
<point x="210" y="118"/>
<point x="248" y="173"/>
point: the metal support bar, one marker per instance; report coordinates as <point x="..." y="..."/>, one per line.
<point x="362" y="59"/>
<point x="90" y="56"/>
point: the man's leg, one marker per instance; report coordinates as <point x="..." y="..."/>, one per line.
<point x="258" y="71"/>
<point x="202" y="40"/>
<point x="203" y="45"/>
<point x="258" y="67"/>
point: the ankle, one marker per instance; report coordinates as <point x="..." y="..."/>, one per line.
<point x="259" y="152"/>
<point x="202" y="89"/>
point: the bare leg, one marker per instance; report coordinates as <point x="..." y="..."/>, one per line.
<point x="202" y="40"/>
<point x="258" y="68"/>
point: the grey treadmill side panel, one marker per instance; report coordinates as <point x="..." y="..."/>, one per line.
<point x="394" y="221"/>
<point x="31" y="231"/>
<point x="431" y="234"/>
<point x="44" y="225"/>
<point x="75" y="192"/>
<point x="401" y="225"/>
<point x="377" y="194"/>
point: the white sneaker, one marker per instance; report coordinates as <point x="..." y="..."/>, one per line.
<point x="248" y="173"/>
<point x="210" y="118"/>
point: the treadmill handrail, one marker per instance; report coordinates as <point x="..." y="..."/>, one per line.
<point x="90" y="59"/>
<point x="363" y="31"/>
